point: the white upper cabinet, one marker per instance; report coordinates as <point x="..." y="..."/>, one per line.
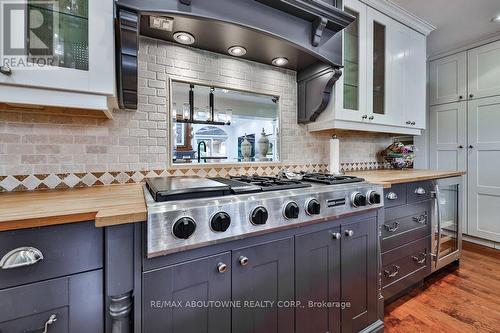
<point x="484" y="71"/>
<point x="448" y="79"/>
<point x="68" y="50"/>
<point x="383" y="85"/>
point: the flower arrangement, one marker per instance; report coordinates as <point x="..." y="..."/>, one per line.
<point x="399" y="155"/>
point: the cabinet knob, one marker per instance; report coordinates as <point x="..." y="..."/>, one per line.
<point x="349" y="233"/>
<point x="391" y="196"/>
<point x="371" y="118"/>
<point x="243" y="260"/>
<point x="364" y="117"/>
<point x="6" y="70"/>
<point x="460" y="97"/>
<point x="471" y="146"/>
<point x="336" y="235"/>
<point x="221" y="267"/>
<point x="408" y="122"/>
<point x="461" y="147"/>
<point x="420" y="191"/>
<point x="412" y="123"/>
<point x="471" y="95"/>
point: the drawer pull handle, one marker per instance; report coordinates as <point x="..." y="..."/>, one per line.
<point x="418" y="260"/>
<point x="336" y="235"/>
<point x="50" y="321"/>
<point x="392" y="196"/>
<point x="420" y="191"/>
<point x="22" y="256"/>
<point x="6" y="70"/>
<point x="349" y="233"/>
<point x="422" y="219"/>
<point x="394" y="273"/>
<point x="395" y="226"/>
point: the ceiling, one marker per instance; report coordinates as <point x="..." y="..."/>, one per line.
<point x="457" y="22"/>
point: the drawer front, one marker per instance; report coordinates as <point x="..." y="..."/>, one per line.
<point x="419" y="191"/>
<point x="405" y="224"/>
<point x="66" y="249"/>
<point x="395" y="196"/>
<point x="76" y="302"/>
<point x="406" y="260"/>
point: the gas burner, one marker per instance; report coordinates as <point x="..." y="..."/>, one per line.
<point x="328" y="179"/>
<point x="271" y="183"/>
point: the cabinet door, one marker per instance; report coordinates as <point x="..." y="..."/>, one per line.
<point x="448" y="79"/>
<point x="359" y="275"/>
<point x="484" y="164"/>
<point x="416" y="81"/>
<point x="317" y="279"/>
<point x="378" y="66"/>
<point x="484" y="71"/>
<point x="199" y="280"/>
<point x="263" y="275"/>
<point x="68" y="47"/>
<point x="351" y="87"/>
<point x="448" y="136"/>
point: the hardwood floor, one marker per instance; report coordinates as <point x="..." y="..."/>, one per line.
<point x="464" y="300"/>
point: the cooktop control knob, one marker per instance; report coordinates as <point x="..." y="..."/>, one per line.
<point x="220" y="222"/>
<point x="184" y="227"/>
<point x="313" y="207"/>
<point x="291" y="210"/>
<point x="259" y="215"/>
<point x="373" y="197"/>
<point x="358" y="199"/>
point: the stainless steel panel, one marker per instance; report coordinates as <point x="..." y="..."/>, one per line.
<point x="162" y="216"/>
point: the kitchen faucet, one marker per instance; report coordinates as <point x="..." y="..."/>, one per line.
<point x="199" y="150"/>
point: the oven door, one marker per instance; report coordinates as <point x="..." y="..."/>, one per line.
<point x="447" y="221"/>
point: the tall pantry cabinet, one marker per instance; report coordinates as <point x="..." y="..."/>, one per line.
<point x="464" y="101"/>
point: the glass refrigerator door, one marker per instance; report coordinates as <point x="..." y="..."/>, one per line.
<point x="447" y="229"/>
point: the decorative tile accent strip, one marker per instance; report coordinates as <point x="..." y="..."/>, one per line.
<point x="70" y="180"/>
<point x="363" y="166"/>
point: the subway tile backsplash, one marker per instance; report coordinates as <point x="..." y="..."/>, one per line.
<point x="74" y="148"/>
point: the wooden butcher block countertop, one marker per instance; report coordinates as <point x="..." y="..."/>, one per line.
<point x="107" y="205"/>
<point x="390" y="177"/>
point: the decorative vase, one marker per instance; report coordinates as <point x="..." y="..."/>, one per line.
<point x="263" y="144"/>
<point x="246" y="148"/>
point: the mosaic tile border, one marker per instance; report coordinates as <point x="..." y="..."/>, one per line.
<point x="72" y="180"/>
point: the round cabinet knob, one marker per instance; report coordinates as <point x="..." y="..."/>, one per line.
<point x="460" y="97"/>
<point x="358" y="199"/>
<point x="259" y="216"/>
<point x="371" y="118"/>
<point x="336" y="235"/>
<point x="221" y="267"/>
<point x="374" y="198"/>
<point x="313" y="207"/>
<point x="471" y="95"/>
<point x="391" y="196"/>
<point x="243" y="260"/>
<point x="184" y="227"/>
<point x="364" y="117"/>
<point x="291" y="210"/>
<point x="220" y="222"/>
<point x="408" y="122"/>
<point x="349" y="233"/>
<point x="412" y="123"/>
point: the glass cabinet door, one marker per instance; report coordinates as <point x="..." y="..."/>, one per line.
<point x="447" y="228"/>
<point x="378" y="61"/>
<point x="60" y="44"/>
<point x="351" y="94"/>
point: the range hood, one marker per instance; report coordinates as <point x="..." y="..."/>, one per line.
<point x="305" y="32"/>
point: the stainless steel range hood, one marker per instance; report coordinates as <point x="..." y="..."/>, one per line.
<point x="305" y="32"/>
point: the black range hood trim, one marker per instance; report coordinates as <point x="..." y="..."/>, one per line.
<point x="321" y="18"/>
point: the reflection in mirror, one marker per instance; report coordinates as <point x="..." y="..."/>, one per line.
<point x="218" y="125"/>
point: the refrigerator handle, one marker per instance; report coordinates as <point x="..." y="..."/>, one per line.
<point x="438" y="213"/>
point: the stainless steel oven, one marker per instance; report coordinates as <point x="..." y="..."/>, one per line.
<point x="447" y="219"/>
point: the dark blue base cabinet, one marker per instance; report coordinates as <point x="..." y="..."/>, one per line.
<point x="318" y="278"/>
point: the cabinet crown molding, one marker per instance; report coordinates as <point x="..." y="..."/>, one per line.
<point x="402" y="15"/>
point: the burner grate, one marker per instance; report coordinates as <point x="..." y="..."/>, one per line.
<point x="329" y="179"/>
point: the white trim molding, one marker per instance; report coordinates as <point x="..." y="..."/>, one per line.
<point x="402" y="15"/>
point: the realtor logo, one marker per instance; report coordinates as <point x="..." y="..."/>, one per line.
<point x="27" y="33"/>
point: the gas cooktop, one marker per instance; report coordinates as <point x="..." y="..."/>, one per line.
<point x="201" y="212"/>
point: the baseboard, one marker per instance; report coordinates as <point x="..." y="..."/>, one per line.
<point x="481" y="241"/>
